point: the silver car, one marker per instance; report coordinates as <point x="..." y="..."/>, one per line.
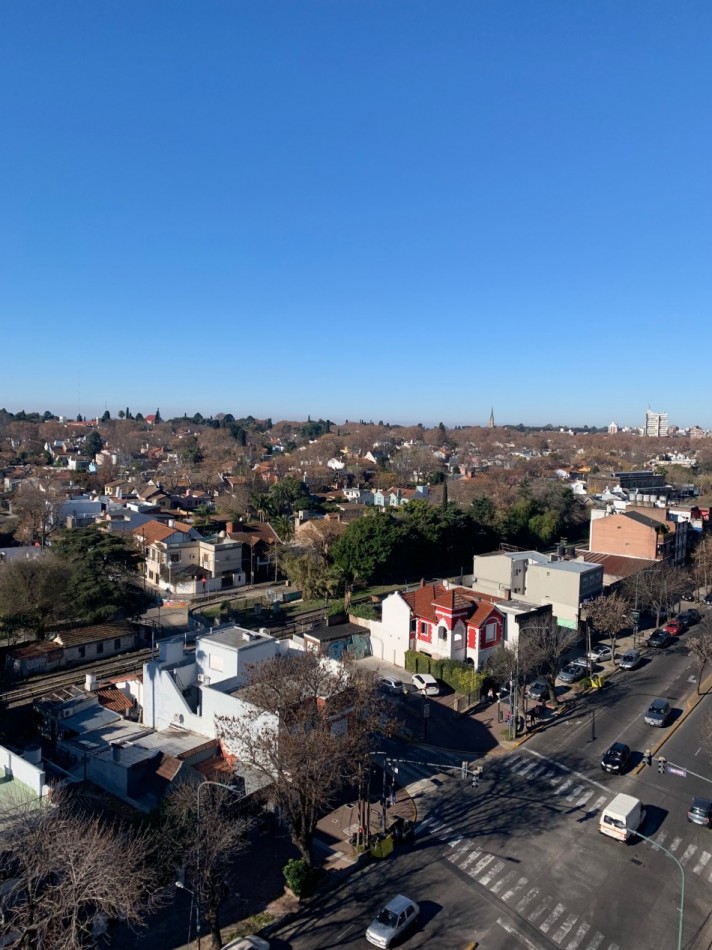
<point x="395" y="918"/>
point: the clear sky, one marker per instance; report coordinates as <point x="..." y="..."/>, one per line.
<point x="408" y="210"/>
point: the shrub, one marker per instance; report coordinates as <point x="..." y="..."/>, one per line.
<point x="365" y="611"/>
<point x="300" y="878"/>
<point x="460" y="676"/>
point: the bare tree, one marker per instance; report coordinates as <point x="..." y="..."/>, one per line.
<point x="63" y="872"/>
<point x="608" y="616"/>
<point x="657" y="588"/>
<point x="699" y="644"/>
<point x="308" y="727"/>
<point x="206" y="851"/>
<point x="36" y="504"/>
<point x="542" y="645"/>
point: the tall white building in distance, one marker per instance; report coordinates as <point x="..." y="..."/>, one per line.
<point x="656" y="424"/>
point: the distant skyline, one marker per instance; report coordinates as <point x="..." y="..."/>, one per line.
<point x="408" y="211"/>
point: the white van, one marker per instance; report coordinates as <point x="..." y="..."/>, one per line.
<point x="622" y="817"/>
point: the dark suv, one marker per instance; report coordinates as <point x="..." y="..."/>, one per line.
<point x="658" y="712"/>
<point x="615" y="759"/>
<point x="700" y="812"/>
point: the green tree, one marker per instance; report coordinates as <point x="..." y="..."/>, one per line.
<point x="104" y="574"/>
<point x="33" y="594"/>
<point x="368" y="546"/>
<point x="93" y="444"/>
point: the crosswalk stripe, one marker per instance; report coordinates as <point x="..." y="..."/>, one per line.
<point x="512" y="760"/>
<point x="564" y="787"/>
<point x="599" y="803"/>
<point x="472" y="856"/>
<point x="583" y="929"/>
<point x="454" y="842"/>
<point x="527" y="899"/>
<point x="555" y="779"/>
<point x="660" y="840"/>
<point x="613" y="946"/>
<point x="456" y="856"/>
<point x="481" y="865"/>
<point x="540" y="909"/>
<point x="492" y="872"/>
<point x="596" y="942"/>
<point x="689" y="851"/>
<point x="577" y="791"/>
<point x="527" y="767"/>
<point x="675" y="844"/>
<point x="565" y="928"/>
<point x="502" y="882"/>
<point x="540" y="770"/>
<point x="584" y="798"/>
<point x="552" y="918"/>
<point x="508" y="895"/>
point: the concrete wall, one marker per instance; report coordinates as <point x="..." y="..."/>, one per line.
<point x="391" y="637"/>
<point x="494" y="574"/>
<point x="16" y="767"/>
<point x="100" y="650"/>
<point x="617" y="534"/>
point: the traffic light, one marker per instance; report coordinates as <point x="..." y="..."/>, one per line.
<point x="662" y="762"/>
<point x="647" y="757"/>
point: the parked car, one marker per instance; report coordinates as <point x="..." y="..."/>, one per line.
<point x="616" y="758"/>
<point x="582" y="661"/>
<point x="658" y="713"/>
<point x="690" y="617"/>
<point x="630" y="660"/>
<point x="708" y="598"/>
<point x="700" y="812"/>
<point x="394" y="919"/>
<point x="659" y="639"/>
<point x="538" y="690"/>
<point x="571" y="673"/>
<point x="391" y="684"/>
<point x="425" y="683"/>
<point x="600" y="654"/>
<point x="250" y="942"/>
<point x="675" y="627"/>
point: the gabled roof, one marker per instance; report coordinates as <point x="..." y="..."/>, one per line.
<point x="112" y="698"/>
<point x="93" y="634"/>
<point x="425" y="599"/>
<point x="643" y="519"/>
<point x="153" y="531"/>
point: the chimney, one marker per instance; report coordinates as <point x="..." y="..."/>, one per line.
<point x="229" y="527"/>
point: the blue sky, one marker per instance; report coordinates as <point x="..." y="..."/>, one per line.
<point x="388" y="209"/>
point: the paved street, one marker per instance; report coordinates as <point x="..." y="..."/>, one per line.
<point x="519" y="861"/>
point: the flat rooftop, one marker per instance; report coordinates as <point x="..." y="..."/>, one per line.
<point x="234" y="636"/>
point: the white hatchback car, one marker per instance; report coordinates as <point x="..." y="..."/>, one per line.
<point x="425" y="683"/>
<point x="399" y="915"/>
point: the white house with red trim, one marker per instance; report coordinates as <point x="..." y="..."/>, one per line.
<point x="442" y="621"/>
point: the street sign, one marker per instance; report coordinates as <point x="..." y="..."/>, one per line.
<point x="426" y="710"/>
<point x="676" y="770"/>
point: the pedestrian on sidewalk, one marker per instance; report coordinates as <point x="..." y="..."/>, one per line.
<point x="490" y="694"/>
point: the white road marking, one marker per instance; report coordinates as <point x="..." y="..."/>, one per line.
<point x="505" y="925"/>
<point x="583" y="929"/>
<point x="577" y="791"/>
<point x="565" y="768"/>
<point x="528" y="898"/>
<point x="584" y="798"/>
<point x="675" y="844"/>
<point x="540" y="909"/>
<point x="473" y="856"/>
<point x="600" y="802"/>
<point x="525" y="768"/>
<point x="454" y="842"/>
<point x="689" y="851"/>
<point x="491" y="873"/>
<point x="481" y="865"/>
<point x="552" y="918"/>
<point x="565" y="928"/>
<point x="660" y="840"/>
<point x="456" y="856"/>
<point x="501" y="882"/>
<point x="596" y="942"/>
<point x="508" y="895"/>
<point x="564" y="787"/>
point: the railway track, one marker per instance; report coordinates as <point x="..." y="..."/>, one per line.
<point x="38" y="686"/>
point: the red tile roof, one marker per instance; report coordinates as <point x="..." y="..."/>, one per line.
<point x="113" y="699"/>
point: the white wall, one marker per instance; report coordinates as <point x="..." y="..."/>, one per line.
<point x="391" y="637"/>
<point x="32" y="776"/>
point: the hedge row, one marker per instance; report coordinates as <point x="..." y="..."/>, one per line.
<point x="462" y="677"/>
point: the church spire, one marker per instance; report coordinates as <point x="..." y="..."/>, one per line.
<point x="490" y="424"/>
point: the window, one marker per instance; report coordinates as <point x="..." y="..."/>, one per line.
<point x="442" y="633"/>
<point x="216" y="662"/>
<point x="117" y="644"/>
<point x="423" y="627"/>
<point x="82" y="652"/>
<point x="491" y="631"/>
<point x="175" y="558"/>
<point x="100" y="648"/>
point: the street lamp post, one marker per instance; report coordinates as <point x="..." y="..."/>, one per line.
<point x="682" y="880"/>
